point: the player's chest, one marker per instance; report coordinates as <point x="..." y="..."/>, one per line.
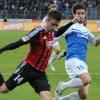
<point x="46" y="39"/>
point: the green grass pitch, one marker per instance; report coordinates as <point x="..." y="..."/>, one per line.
<point x="10" y="59"/>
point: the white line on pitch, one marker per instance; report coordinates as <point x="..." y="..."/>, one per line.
<point x="54" y="73"/>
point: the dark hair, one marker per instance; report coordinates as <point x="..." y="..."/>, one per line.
<point x="52" y="6"/>
<point x="78" y="6"/>
<point x="54" y="14"/>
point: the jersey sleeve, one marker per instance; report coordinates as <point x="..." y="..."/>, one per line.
<point x="12" y="46"/>
<point x="32" y="35"/>
<point x="68" y="31"/>
<point x="24" y="40"/>
<point x="62" y="29"/>
<point x="92" y="38"/>
<point x="61" y="36"/>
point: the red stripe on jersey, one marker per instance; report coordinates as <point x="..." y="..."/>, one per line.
<point x="47" y="52"/>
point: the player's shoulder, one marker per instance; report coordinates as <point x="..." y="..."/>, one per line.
<point x="35" y="32"/>
<point x="37" y="29"/>
<point x="73" y="27"/>
<point x="79" y="26"/>
<point x="76" y="25"/>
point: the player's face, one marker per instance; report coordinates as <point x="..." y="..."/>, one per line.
<point x="52" y="24"/>
<point x="80" y="14"/>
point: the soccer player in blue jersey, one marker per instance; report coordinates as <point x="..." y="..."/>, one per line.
<point x="77" y="38"/>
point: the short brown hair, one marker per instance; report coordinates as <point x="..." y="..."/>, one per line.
<point x="78" y="6"/>
<point x="55" y="15"/>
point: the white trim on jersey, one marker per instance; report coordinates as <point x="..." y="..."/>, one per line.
<point x="77" y="27"/>
<point x="25" y="38"/>
<point x="33" y="33"/>
<point x="92" y="39"/>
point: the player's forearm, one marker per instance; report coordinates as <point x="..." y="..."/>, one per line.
<point x="62" y="29"/>
<point x="12" y="46"/>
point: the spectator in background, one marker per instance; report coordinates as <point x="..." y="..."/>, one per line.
<point x="40" y="7"/>
<point x="2" y="4"/>
<point x="5" y="19"/>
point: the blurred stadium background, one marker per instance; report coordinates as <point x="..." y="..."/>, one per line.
<point x="37" y="9"/>
<point x="18" y="17"/>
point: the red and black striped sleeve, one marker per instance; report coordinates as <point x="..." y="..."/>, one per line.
<point x="12" y="46"/>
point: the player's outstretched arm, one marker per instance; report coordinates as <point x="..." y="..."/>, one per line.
<point x="62" y="29"/>
<point x="12" y="46"/>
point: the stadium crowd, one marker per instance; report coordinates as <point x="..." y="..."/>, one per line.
<point x="32" y="8"/>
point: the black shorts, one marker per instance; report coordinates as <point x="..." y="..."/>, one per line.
<point x="26" y="73"/>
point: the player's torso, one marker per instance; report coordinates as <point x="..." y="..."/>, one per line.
<point x="40" y="50"/>
<point x="77" y="42"/>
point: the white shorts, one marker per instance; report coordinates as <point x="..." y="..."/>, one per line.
<point x="75" y="67"/>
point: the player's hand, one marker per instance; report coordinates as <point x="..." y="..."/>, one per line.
<point x="75" y="19"/>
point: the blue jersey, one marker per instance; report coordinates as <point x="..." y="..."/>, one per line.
<point x="77" y="38"/>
